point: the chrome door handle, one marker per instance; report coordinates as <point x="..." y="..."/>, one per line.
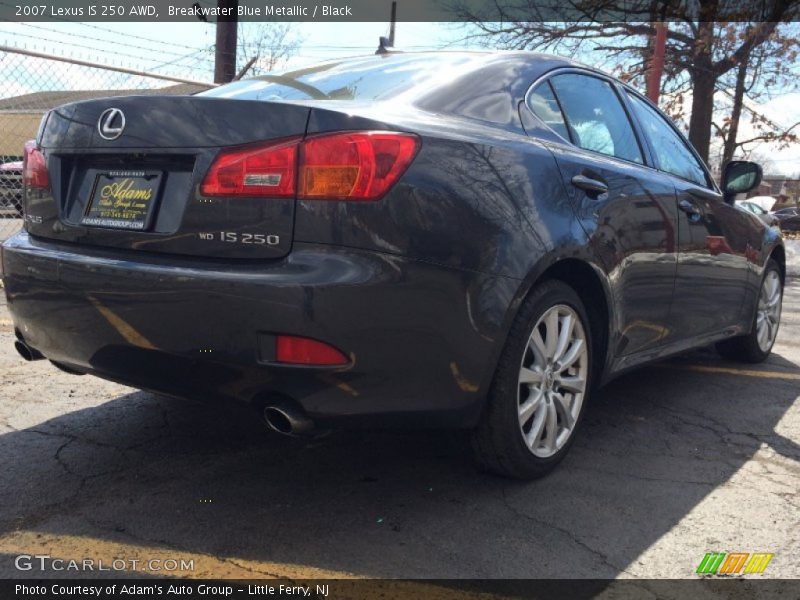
<point x="588" y="184"/>
<point x="690" y="209"/>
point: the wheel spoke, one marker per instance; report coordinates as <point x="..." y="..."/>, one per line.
<point x="762" y="336"/>
<point x="552" y="427"/>
<point x="563" y="411"/>
<point x="564" y="336"/>
<point x="533" y="437"/>
<point x="573" y="384"/>
<point x="527" y="409"/>
<point x="529" y="376"/>
<point x="775" y="297"/>
<point x="551" y="331"/>
<point x="774" y="283"/>
<point x="536" y="344"/>
<point x="572" y="355"/>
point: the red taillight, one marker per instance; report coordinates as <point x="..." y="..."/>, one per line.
<point x="340" y="166"/>
<point x="354" y="166"/>
<point x="304" y="351"/>
<point x="34" y="167"/>
<point x="254" y="171"/>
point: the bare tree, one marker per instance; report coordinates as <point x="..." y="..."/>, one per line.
<point x="701" y="49"/>
<point x="265" y="47"/>
<point x="762" y="73"/>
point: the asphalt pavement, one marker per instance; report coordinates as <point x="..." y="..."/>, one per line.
<point x="675" y="460"/>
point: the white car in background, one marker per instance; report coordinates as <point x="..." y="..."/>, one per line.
<point x="763" y="214"/>
<point x="11" y="189"/>
<point x="765" y="202"/>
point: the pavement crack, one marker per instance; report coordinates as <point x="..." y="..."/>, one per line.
<point x="253" y="570"/>
<point x="64" y="464"/>
<point x="566" y="532"/>
<point x="629" y="475"/>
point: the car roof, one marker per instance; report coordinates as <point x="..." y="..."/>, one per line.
<point x="482" y="85"/>
<point x="484" y="58"/>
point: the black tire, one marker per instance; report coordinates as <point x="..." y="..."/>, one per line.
<point x="745" y="348"/>
<point x="498" y="444"/>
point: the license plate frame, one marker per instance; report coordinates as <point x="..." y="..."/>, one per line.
<point x="123" y="199"/>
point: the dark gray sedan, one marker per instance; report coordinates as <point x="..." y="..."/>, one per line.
<point x="471" y="240"/>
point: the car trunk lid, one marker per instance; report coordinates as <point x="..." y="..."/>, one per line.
<point x="126" y="173"/>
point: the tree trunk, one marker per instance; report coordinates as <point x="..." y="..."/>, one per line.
<point x="702" y="113"/>
<point x="704" y="82"/>
<point x="736" y="113"/>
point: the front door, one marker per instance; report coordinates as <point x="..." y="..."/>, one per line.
<point x="628" y="210"/>
<point x="713" y="248"/>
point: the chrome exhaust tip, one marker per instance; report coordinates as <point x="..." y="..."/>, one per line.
<point x="287" y="418"/>
<point x="27" y="352"/>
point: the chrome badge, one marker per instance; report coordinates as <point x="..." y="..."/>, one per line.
<point x="111" y="124"/>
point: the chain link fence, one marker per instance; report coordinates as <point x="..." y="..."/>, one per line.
<point x="32" y="83"/>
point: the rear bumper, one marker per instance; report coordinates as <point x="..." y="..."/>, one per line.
<point x="423" y="338"/>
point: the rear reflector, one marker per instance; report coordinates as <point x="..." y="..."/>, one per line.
<point x="359" y="165"/>
<point x="304" y="351"/>
<point x="34" y="167"/>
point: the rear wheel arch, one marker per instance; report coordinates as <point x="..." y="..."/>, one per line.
<point x="584" y="278"/>
<point x="589" y="283"/>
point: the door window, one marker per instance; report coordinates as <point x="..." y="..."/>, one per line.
<point x="670" y="151"/>
<point x="544" y="105"/>
<point x="595" y="116"/>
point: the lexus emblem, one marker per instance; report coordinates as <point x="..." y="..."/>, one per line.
<point x="111" y="124"/>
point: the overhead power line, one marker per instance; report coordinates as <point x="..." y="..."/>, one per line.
<point x="85" y="63"/>
<point x="95" y="49"/>
<point x="115" y="42"/>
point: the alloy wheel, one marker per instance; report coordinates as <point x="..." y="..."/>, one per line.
<point x="769" y="311"/>
<point x="552" y="380"/>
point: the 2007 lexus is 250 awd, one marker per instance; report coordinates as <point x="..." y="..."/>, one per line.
<point x="471" y="240"/>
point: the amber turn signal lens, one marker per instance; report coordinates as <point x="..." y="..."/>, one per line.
<point x="354" y="166"/>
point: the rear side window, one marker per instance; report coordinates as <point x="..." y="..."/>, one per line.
<point x="544" y="105"/>
<point x="670" y="151"/>
<point x="595" y="117"/>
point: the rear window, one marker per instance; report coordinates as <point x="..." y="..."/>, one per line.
<point x="372" y="78"/>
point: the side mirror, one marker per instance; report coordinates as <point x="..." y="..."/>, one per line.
<point x="738" y="177"/>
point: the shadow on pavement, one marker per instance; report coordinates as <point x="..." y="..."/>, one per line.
<point x="208" y="479"/>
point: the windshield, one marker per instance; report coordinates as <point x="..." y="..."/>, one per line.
<point x="370" y="78"/>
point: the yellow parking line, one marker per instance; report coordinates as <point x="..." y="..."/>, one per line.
<point x="732" y="371"/>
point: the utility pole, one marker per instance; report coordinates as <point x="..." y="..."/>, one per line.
<point x="657" y="63"/>
<point x="225" y="53"/>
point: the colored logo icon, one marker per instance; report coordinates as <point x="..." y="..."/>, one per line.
<point x="734" y="563"/>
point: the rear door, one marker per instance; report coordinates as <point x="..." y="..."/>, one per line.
<point x="627" y="210"/>
<point x="714" y="237"/>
